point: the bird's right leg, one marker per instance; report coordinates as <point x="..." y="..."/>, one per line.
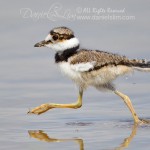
<point x="45" y="107"/>
<point x="127" y="101"/>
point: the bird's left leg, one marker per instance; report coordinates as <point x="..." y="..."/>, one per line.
<point x="45" y="107"/>
<point x="127" y="101"/>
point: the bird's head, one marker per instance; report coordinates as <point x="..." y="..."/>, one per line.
<point x="59" y="39"/>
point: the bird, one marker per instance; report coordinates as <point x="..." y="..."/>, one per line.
<point x="87" y="67"/>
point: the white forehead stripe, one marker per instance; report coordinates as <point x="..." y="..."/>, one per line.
<point x="49" y="37"/>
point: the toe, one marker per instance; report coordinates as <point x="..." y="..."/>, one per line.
<point x="40" y="109"/>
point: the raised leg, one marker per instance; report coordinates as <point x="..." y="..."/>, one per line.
<point x="127" y="101"/>
<point x="45" y="107"/>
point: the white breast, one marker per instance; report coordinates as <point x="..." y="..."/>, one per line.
<point x="77" y="72"/>
<point x="66" y="68"/>
<point x="74" y="71"/>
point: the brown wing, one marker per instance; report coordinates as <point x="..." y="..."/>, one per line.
<point x="100" y="58"/>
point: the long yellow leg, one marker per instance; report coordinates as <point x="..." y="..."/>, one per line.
<point x="129" y="105"/>
<point x="127" y="101"/>
<point x="45" y="107"/>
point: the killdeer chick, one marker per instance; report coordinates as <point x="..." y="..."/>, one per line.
<point x="88" y="68"/>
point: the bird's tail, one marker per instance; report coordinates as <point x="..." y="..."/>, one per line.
<point x="140" y="65"/>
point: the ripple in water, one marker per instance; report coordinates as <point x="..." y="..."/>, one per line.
<point x="79" y="123"/>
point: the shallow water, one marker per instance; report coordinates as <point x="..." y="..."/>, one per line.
<point x="28" y="78"/>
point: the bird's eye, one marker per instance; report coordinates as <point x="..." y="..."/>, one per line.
<point x="55" y="37"/>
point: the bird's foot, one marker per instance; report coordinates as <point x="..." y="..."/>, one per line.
<point x="40" y="109"/>
<point x="143" y="121"/>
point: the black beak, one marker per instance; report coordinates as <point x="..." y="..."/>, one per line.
<point x="40" y="44"/>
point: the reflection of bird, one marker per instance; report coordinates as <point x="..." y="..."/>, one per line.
<point x="128" y="140"/>
<point x="88" y="67"/>
<point x="41" y="136"/>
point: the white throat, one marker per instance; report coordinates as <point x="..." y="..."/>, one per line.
<point x="66" y="44"/>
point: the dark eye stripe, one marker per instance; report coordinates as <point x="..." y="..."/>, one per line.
<point x="61" y="36"/>
<point x="70" y="36"/>
<point x="65" y="36"/>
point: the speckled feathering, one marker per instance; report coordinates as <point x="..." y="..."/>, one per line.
<point x="99" y="68"/>
<point x="103" y="59"/>
<point x="63" y="30"/>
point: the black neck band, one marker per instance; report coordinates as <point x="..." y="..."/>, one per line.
<point x="63" y="56"/>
